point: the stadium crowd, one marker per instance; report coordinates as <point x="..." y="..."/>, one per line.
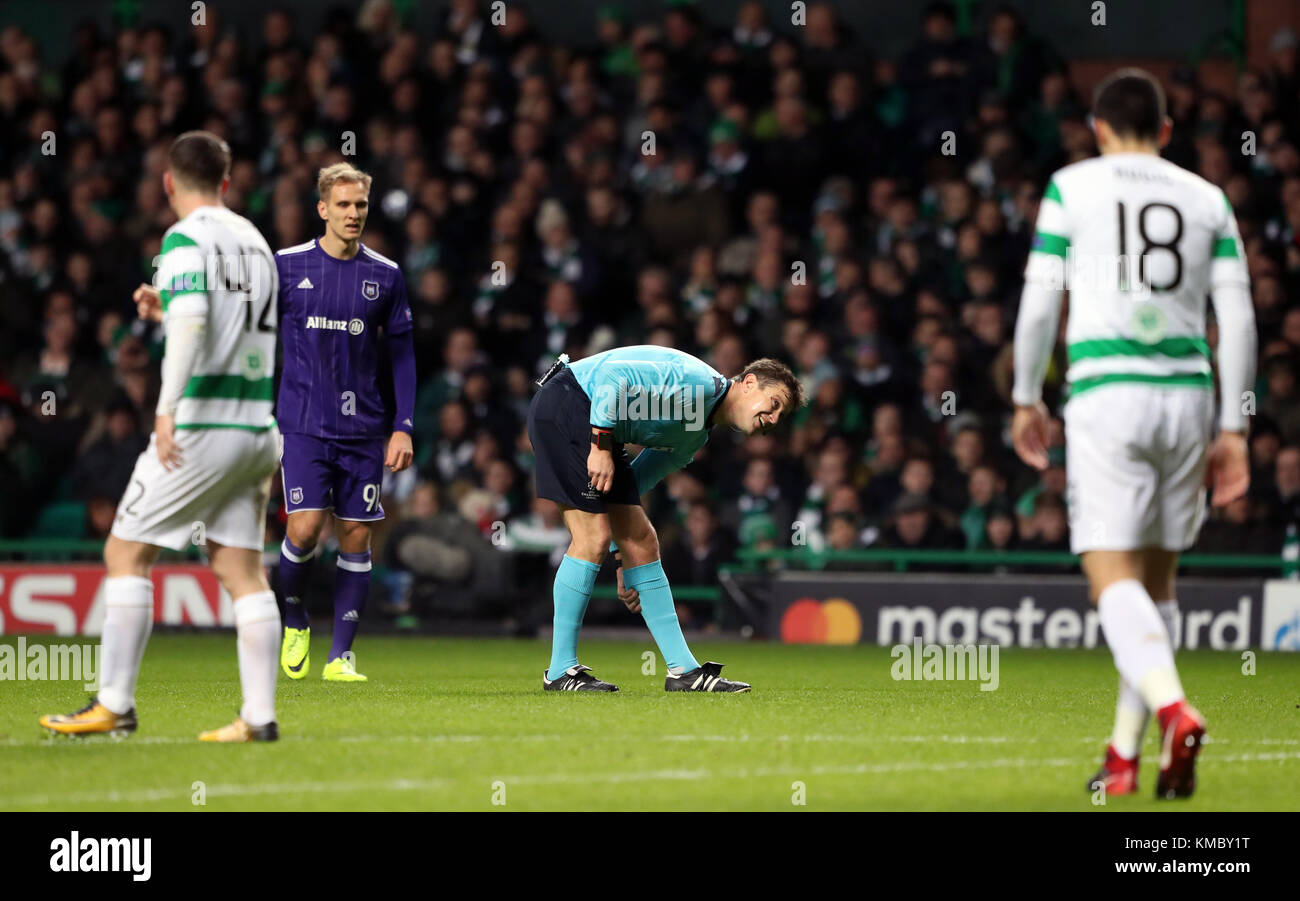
<point x="737" y="189"/>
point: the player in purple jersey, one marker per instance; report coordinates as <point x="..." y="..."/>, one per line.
<point x="337" y="297"/>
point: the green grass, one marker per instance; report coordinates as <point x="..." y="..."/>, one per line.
<point x="442" y="720"/>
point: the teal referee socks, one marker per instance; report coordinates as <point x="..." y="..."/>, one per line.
<point x="573" y="583"/>
<point x="661" y="615"/>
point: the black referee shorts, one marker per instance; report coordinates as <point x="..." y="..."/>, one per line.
<point x="559" y="426"/>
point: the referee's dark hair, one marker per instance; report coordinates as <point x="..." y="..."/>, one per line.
<point x="1132" y="103"/>
<point x="774" y="372"/>
<point x="200" y="161"/>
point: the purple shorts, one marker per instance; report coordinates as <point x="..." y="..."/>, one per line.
<point x="343" y="475"/>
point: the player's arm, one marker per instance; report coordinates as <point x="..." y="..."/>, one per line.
<point x="600" y="459"/>
<point x="401" y="349"/>
<point x="148" y="303"/>
<point x="1229" y="464"/>
<point x="652" y="466"/>
<point x="609" y="385"/>
<point x="183" y="304"/>
<point x="1036" y="325"/>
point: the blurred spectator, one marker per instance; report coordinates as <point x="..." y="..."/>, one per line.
<point x="915" y="527"/>
<point x="104" y="468"/>
<point x="19" y="471"/>
<point x="1235" y="530"/>
<point x="760" y="496"/>
<point x="1284" y="502"/>
<point x="983" y="491"/>
<point x="1050" y="529"/>
<point x="939" y="75"/>
<point x="694" y="558"/>
<point x="1000" y="529"/>
<point x="1281" y="403"/>
<point x="455" y="570"/>
<point x="539" y="531"/>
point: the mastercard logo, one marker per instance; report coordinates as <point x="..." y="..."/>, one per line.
<point x="832" y="621"/>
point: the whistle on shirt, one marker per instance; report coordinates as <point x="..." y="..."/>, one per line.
<point x="555" y="367"/>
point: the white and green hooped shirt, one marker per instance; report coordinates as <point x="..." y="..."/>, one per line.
<point x="1140" y="244"/>
<point x="216" y="264"/>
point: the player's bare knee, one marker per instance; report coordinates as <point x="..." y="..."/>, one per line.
<point x="128" y="558"/>
<point x="219" y="562"/>
<point x="304" y="528"/>
<point x="591" y="539"/>
<point x="239" y="570"/>
<point x="590" y="551"/>
<point x="640" y="548"/>
<point x="354" y="537"/>
<point x="595" y="546"/>
<point x="636" y="539"/>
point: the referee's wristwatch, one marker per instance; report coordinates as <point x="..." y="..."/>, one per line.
<point x="602" y="438"/>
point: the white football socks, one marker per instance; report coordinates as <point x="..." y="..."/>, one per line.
<point x="1136" y="634"/>
<point x="1131" y="716"/>
<point x="1168" y="611"/>
<point x="1131" y="713"/>
<point x="257" y="625"/>
<point x="128" y="620"/>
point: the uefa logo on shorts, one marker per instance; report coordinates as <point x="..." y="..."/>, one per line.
<point x="295" y="495"/>
<point x="370" y="290"/>
<point x="356" y="327"/>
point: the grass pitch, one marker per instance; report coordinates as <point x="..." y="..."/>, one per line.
<point x="462" y="724"/>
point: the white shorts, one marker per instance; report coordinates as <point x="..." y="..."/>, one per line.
<point x="218" y="493"/>
<point x="1135" y="459"/>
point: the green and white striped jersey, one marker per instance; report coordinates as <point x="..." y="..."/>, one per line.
<point x="1140" y="243"/>
<point x="216" y="264"/>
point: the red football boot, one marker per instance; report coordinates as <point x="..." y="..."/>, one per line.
<point x="1118" y="775"/>
<point x="1181" y="729"/>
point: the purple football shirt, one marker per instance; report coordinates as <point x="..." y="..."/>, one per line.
<point x="331" y="315"/>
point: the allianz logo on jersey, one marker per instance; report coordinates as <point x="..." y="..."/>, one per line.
<point x="351" y="326"/>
